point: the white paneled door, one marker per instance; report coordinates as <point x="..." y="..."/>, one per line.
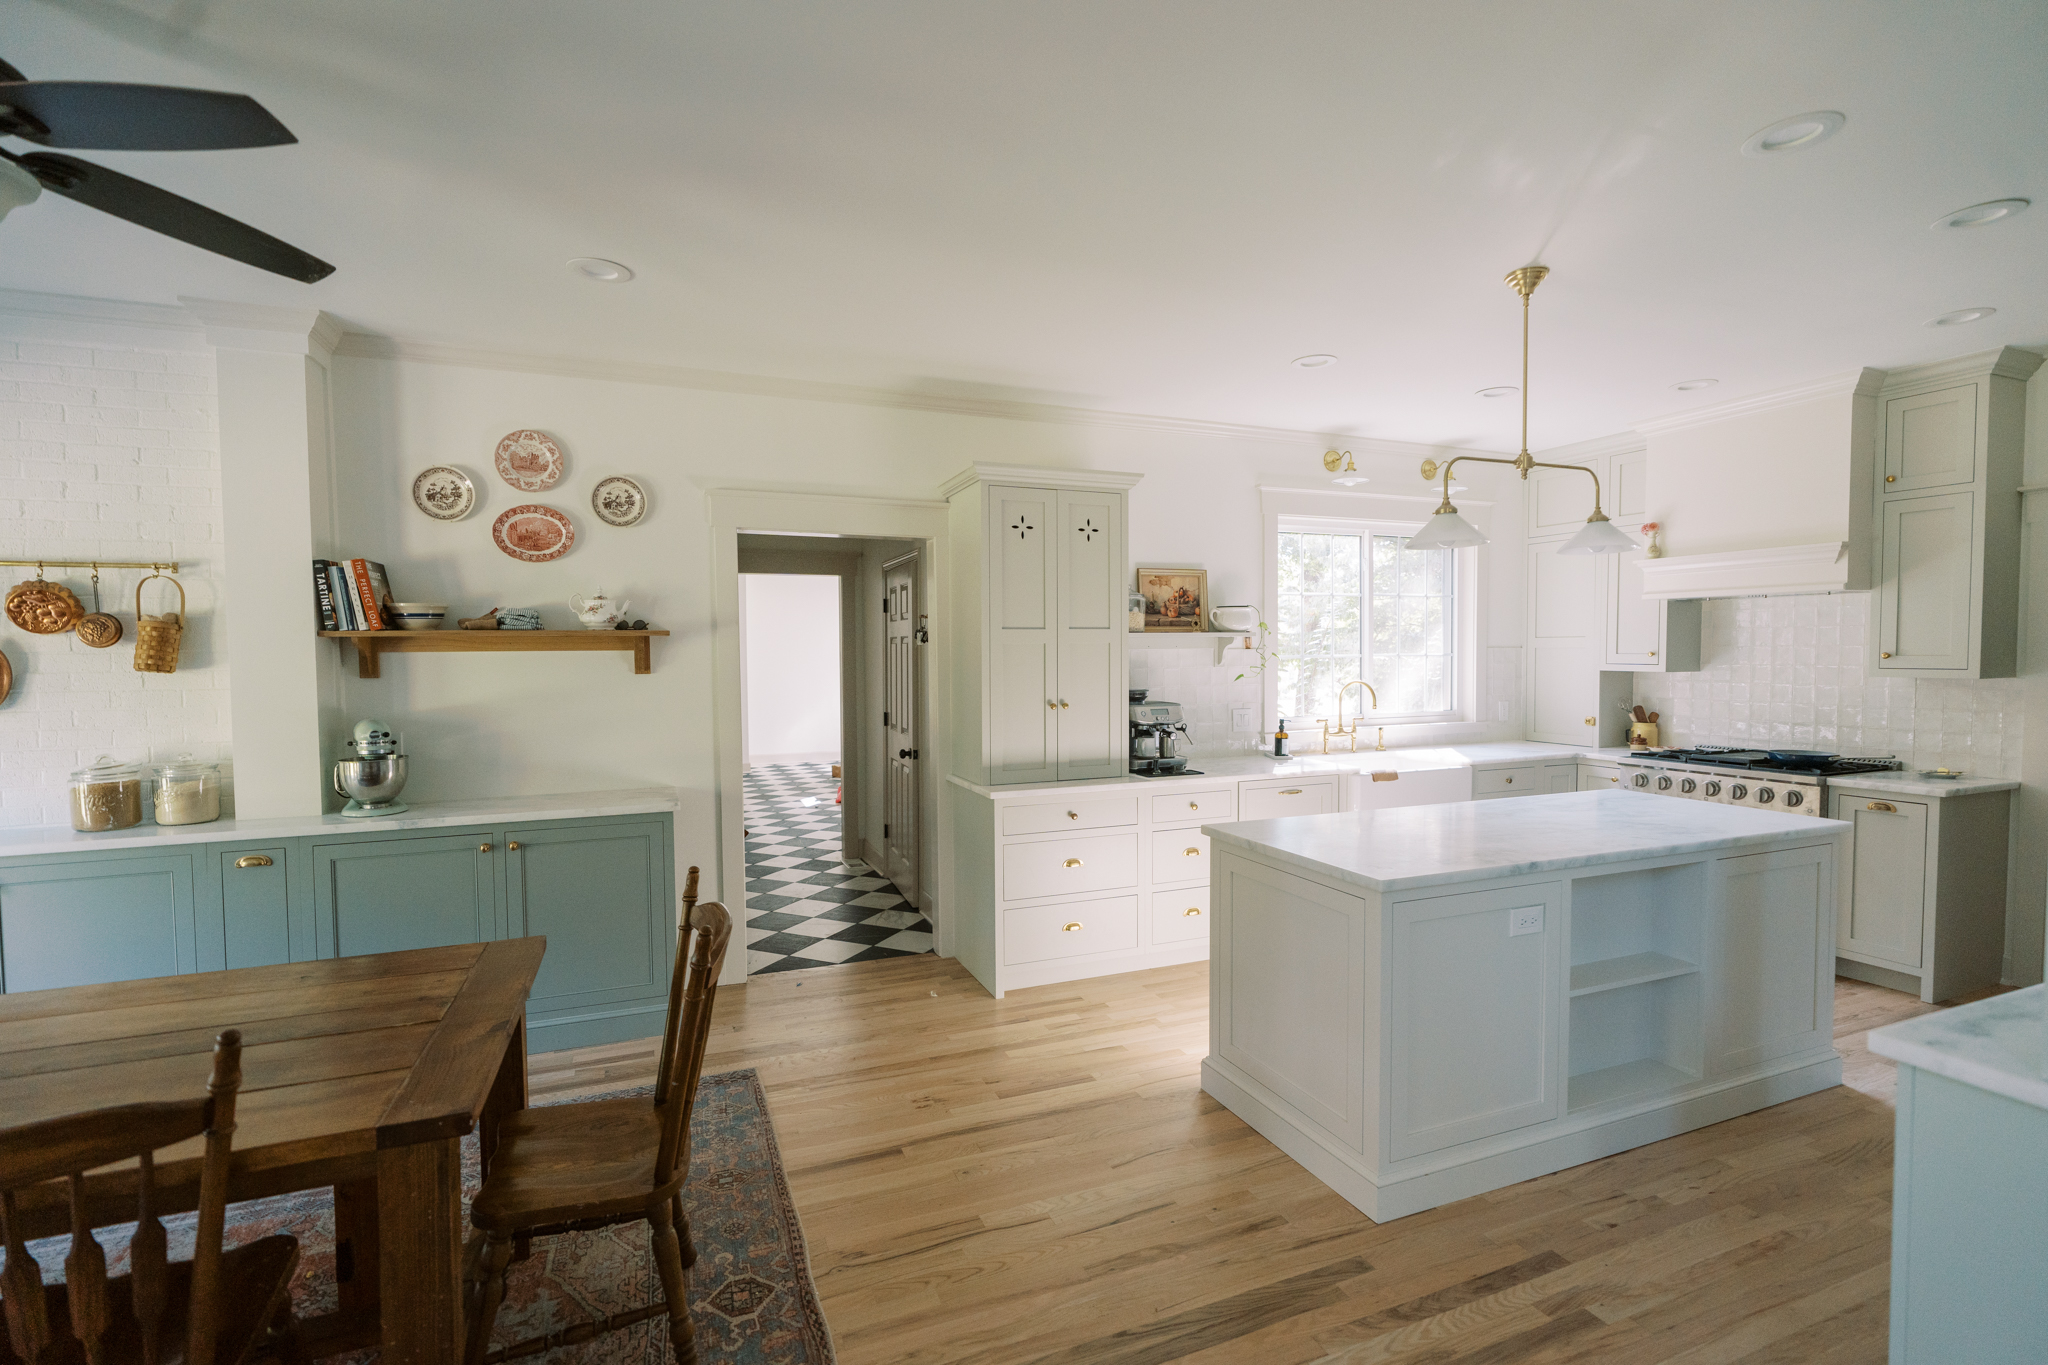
<point x="900" y="814"/>
<point x="1093" y="617"/>
<point x="1023" y="701"/>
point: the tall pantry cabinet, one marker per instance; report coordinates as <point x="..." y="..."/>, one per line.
<point x="1040" y="646"/>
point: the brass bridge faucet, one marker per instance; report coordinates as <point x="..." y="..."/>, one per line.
<point x="1352" y="733"/>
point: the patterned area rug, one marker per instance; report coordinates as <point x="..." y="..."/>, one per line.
<point x="751" y="1295"/>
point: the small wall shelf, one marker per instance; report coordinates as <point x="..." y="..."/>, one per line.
<point x="372" y="645"/>
<point x="1223" y="640"/>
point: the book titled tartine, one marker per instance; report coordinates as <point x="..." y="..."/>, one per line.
<point x="351" y="594"/>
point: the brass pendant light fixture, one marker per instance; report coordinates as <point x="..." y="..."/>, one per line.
<point x="1447" y="530"/>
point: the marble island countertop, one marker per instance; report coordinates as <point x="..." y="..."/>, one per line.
<point x="1999" y="1045"/>
<point x="42" y="839"/>
<point x="1413" y="846"/>
<point x="1237" y="767"/>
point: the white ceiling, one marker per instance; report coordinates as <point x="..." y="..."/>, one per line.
<point x="1146" y="207"/>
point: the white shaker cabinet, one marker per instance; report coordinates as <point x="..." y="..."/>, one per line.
<point x="1040" y="627"/>
<point x="1947" y="510"/>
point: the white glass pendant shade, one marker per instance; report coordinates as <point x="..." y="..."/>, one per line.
<point x="17" y="187"/>
<point x="1446" y="531"/>
<point x="1598" y="536"/>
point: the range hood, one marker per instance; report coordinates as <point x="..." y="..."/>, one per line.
<point x="1779" y="570"/>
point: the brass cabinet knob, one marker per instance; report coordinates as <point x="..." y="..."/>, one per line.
<point x="1063" y="706"/>
<point x="1073" y="862"/>
<point x="514" y="845"/>
<point x="1510" y="781"/>
<point x="253" y="860"/>
<point x="1591" y="721"/>
<point x="1190" y="911"/>
<point x="1191" y="853"/>
<point x="1887" y="807"/>
<point x="1051" y="705"/>
<point x="483" y="848"/>
<point x="1885" y="655"/>
<point x="1891" y="478"/>
<point x="1192" y="805"/>
<point x="1070" y="926"/>
<point x="1653" y="653"/>
<point x="1073" y="815"/>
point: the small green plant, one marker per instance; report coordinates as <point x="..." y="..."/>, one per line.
<point x="1260" y="648"/>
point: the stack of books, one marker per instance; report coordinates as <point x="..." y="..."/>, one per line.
<point x="351" y="594"/>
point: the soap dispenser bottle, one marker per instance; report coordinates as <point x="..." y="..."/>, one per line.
<point x="1280" y="739"/>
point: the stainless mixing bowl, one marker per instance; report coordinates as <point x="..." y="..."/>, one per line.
<point x="370" y="781"/>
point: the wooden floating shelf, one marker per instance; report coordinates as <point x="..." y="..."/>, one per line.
<point x="372" y="645"/>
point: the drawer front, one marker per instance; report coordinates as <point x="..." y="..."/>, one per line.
<point x="1195" y="808"/>
<point x="1179" y="855"/>
<point x="1178" y="916"/>
<point x="1070" y="867"/>
<point x="1272" y="800"/>
<point x="1599" y="778"/>
<point x="1040" y="933"/>
<point x="1528" y="780"/>
<point x="1097" y="812"/>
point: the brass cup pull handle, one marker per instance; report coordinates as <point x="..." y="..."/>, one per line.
<point x="1292" y="791"/>
<point x="1190" y="912"/>
<point x="483" y="848"/>
<point x="1073" y="862"/>
<point x="1071" y="926"/>
<point x="253" y="860"/>
<point x="1887" y="807"/>
<point x="1191" y="853"/>
<point x="514" y="845"/>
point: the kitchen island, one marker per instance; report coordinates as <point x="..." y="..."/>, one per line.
<point x="1425" y="1003"/>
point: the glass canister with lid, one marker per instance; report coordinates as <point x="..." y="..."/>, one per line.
<point x="187" y="791"/>
<point x="107" y="795"/>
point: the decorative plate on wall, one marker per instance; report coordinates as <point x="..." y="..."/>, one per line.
<point x="533" y="533"/>
<point x="618" y="501"/>
<point x="443" y="493"/>
<point x="529" y="461"/>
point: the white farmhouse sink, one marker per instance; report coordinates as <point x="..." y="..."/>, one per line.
<point x="1412" y="780"/>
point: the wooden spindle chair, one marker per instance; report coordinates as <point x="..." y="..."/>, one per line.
<point x="576" y="1167"/>
<point x="222" y="1307"/>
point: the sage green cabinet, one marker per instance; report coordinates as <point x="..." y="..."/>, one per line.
<point x="118" y="917"/>
<point x="255" y="897"/>
<point x="594" y="893"/>
<point x="391" y="895"/>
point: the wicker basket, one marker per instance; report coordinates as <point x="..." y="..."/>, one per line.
<point x="157" y="637"/>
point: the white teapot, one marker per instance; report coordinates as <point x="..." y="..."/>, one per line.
<point x="598" y="612"/>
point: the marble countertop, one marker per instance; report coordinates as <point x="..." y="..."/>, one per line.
<point x="1906" y="784"/>
<point x="42" y="839"/>
<point x="1999" y="1045"/>
<point x="1415" y="846"/>
<point x="1238" y="767"/>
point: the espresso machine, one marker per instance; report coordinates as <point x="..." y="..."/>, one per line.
<point x="1154" y="747"/>
<point x="373" y="774"/>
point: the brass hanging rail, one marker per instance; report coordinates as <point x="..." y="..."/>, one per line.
<point x="157" y="565"/>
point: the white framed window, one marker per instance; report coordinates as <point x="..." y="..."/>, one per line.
<point x="1354" y="602"/>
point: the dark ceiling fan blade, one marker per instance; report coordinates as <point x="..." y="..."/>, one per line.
<point x="135" y="118"/>
<point x="162" y="211"/>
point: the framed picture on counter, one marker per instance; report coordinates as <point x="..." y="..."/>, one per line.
<point x="1175" y="599"/>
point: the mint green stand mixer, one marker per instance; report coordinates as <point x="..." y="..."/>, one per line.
<point x="373" y="775"/>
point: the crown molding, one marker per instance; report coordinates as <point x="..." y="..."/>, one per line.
<point x="1036" y="476"/>
<point x="1855" y="382"/>
<point x="1776" y="571"/>
<point x="2007" y="362"/>
<point x="78" y="320"/>
<point x="1598" y="448"/>
<point x="261" y="327"/>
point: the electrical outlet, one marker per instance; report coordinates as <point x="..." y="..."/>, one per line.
<point x="1241" y="721"/>
<point x="1526" y="920"/>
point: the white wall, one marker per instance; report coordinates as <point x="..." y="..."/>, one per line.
<point x="108" y="451"/>
<point x="791" y="667"/>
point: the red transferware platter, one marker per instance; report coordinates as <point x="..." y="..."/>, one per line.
<point x="529" y="461"/>
<point x="533" y="533"/>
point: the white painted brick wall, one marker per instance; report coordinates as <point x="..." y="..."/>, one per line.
<point x="109" y="453"/>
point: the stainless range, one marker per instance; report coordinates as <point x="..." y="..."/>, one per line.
<point x="1787" y="780"/>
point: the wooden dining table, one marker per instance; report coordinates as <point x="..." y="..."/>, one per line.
<point x="363" y="1073"/>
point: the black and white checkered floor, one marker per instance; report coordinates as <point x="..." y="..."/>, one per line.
<point x="806" y="905"/>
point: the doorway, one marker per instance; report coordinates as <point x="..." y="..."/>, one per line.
<point x="821" y="657"/>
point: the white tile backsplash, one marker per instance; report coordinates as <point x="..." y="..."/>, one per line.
<point x="1207" y="693"/>
<point x="1791" y="671"/>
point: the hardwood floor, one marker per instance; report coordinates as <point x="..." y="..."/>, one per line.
<point x="1041" y="1180"/>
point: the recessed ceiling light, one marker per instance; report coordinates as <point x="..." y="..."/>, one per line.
<point x="1961" y="316"/>
<point x="601" y="270"/>
<point x="1801" y="130"/>
<point x="1692" y="385"/>
<point x="1504" y="391"/>
<point x="1313" y="362"/>
<point x="1977" y="215"/>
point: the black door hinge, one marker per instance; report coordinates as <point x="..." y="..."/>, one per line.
<point x="885" y="720"/>
<point x="885" y="831"/>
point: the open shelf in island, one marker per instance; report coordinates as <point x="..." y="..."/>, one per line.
<point x="372" y="645"/>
